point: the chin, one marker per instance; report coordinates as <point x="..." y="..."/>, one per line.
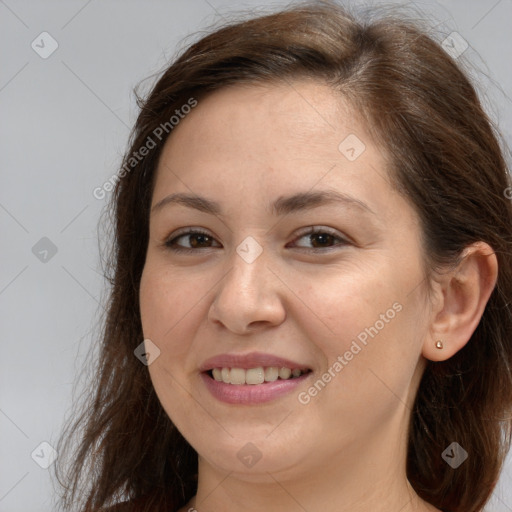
<point x="249" y="456"/>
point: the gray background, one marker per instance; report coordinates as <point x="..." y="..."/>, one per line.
<point x="64" y="125"/>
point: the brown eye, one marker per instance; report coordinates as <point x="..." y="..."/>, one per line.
<point x="322" y="238"/>
<point x="197" y="240"/>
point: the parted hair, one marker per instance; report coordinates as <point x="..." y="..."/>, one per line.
<point x="445" y="156"/>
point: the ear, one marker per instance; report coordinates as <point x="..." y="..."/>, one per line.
<point x="461" y="297"/>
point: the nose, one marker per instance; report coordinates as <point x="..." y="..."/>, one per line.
<point x="248" y="297"/>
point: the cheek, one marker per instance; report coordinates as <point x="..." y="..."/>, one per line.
<point x="369" y="327"/>
<point x="344" y="305"/>
<point x="169" y="316"/>
<point x="166" y="300"/>
<point x="174" y="308"/>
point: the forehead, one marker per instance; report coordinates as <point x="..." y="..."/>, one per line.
<point x="273" y="124"/>
<point x="305" y="111"/>
<point x="267" y="140"/>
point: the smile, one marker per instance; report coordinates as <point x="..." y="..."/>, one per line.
<point x="254" y="376"/>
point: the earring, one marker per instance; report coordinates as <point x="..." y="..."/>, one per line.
<point x="439" y="344"/>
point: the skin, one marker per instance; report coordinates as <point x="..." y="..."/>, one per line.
<point x="244" y="146"/>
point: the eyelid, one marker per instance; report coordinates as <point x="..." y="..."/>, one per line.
<point x="312" y="230"/>
<point x="186" y="231"/>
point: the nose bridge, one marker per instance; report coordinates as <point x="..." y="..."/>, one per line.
<point x="248" y="262"/>
<point x="246" y="294"/>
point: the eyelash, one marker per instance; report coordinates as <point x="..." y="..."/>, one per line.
<point x="313" y="230"/>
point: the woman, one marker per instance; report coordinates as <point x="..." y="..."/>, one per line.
<point x="312" y="281"/>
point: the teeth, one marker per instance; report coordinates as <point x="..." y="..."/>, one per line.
<point x="255" y="376"/>
<point x="237" y="376"/>
<point x="258" y="375"/>
<point x="271" y="374"/>
<point x="284" y="373"/>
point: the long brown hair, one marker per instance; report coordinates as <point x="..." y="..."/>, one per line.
<point x="445" y="157"/>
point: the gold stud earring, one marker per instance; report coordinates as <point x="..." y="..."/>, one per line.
<point x="439" y="344"/>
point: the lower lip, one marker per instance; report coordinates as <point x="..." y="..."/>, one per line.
<point x="251" y="393"/>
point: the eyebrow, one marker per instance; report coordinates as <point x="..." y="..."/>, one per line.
<point x="283" y="205"/>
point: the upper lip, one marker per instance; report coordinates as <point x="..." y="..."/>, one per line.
<point x="251" y="360"/>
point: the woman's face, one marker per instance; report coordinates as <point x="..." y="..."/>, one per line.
<point x="259" y="292"/>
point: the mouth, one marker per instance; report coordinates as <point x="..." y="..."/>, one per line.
<point x="255" y="376"/>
